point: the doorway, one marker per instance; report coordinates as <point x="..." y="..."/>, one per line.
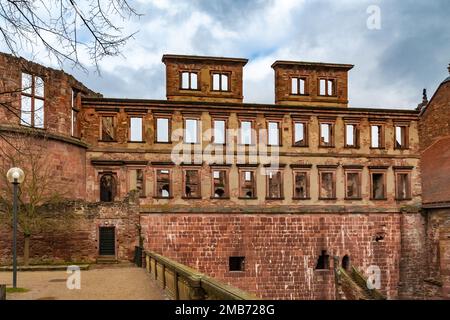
<point x="107" y="241"/>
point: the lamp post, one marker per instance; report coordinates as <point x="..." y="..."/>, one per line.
<point x="16" y="177"/>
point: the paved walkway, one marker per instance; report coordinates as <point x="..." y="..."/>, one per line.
<point x="100" y="282"/>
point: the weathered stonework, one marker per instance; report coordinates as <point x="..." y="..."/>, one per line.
<point x="281" y="239"/>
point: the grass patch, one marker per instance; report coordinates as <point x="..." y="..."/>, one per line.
<point x="17" y="290"/>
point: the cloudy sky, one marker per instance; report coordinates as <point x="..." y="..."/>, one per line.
<point x="410" y="50"/>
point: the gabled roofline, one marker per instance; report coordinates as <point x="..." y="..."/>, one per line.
<point x="166" y="57"/>
<point x="312" y="64"/>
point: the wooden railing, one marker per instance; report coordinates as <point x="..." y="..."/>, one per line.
<point x="184" y="283"/>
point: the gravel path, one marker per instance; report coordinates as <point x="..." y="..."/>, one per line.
<point x="101" y="282"/>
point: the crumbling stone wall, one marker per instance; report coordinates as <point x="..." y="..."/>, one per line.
<point x="77" y="238"/>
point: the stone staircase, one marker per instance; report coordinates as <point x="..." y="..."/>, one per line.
<point x="352" y="285"/>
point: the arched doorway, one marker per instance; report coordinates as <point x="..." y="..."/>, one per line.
<point x="107" y="187"/>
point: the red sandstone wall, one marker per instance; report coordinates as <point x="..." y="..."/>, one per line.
<point x="77" y="239"/>
<point x="281" y="250"/>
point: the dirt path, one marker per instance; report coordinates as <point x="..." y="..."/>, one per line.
<point x="104" y="283"/>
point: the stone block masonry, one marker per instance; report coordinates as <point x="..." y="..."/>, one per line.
<point x="281" y="250"/>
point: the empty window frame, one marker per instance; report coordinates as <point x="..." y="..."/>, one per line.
<point x="300" y="134"/>
<point x="327" y="87"/>
<point x="323" y="262"/>
<point x="247" y="183"/>
<point x="189" y="80"/>
<point x="219" y="131"/>
<point x="246" y="132"/>
<point x="402" y="184"/>
<point x="327" y="184"/>
<point x="191" y="130"/>
<point x="108" y="128"/>
<point x="326" y="134"/>
<point x="74" y="115"/>
<point x="236" y="264"/>
<point x="137" y="181"/>
<point x="401" y="136"/>
<point x="351" y="135"/>
<point x="273" y="133"/>
<point x="298" y="85"/>
<point x="220" y="81"/>
<point x="353" y="184"/>
<point x="378" y="185"/>
<point x="162" y="129"/>
<point x="163" y="183"/>
<point x="135" y="129"/>
<point x="108" y="187"/>
<point x="274" y="184"/>
<point x="220" y="188"/>
<point x="377" y="136"/>
<point x="191" y="183"/>
<point x="32" y="101"/>
<point x="301" y="184"/>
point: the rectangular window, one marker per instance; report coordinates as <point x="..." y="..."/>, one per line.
<point x="191" y="131"/>
<point x="137" y="181"/>
<point x="74" y="126"/>
<point x="162" y="130"/>
<point x="219" y="127"/>
<point x="352" y="184"/>
<point x="247" y="184"/>
<point x="246" y="132"/>
<point x="326" y="135"/>
<point x="401" y="137"/>
<point x="237" y="263"/>
<point x="189" y="80"/>
<point x="274" y="184"/>
<point x="298" y="86"/>
<point x="273" y="132"/>
<point x="300" y="134"/>
<point x="74" y="115"/>
<point x="192" y="184"/>
<point x="108" y="128"/>
<point x="378" y="185"/>
<point x="327" y="87"/>
<point x="351" y="135"/>
<point x="220" y="81"/>
<point x="301" y="185"/>
<point x="327" y="185"/>
<point x="403" y="185"/>
<point x="220" y="183"/>
<point x="32" y="101"/>
<point x="376" y="136"/>
<point x="135" y="129"/>
<point x="163" y="183"/>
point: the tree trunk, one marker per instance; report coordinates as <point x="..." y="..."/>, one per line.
<point x="26" y="250"/>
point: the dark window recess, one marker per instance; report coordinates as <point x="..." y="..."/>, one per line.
<point x="140" y="182"/>
<point x="301" y="190"/>
<point x="346" y="262"/>
<point x="108" y="129"/>
<point x="323" y="262"/>
<point x="353" y="185"/>
<point x="220" y="184"/>
<point x="248" y="184"/>
<point x="192" y="187"/>
<point x="327" y="185"/>
<point x="163" y="183"/>
<point x="275" y="185"/>
<point x="237" y="263"/>
<point x="378" y="186"/>
<point x="107" y="241"/>
<point x="107" y="188"/>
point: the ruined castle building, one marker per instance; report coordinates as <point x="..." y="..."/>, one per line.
<point x="261" y="196"/>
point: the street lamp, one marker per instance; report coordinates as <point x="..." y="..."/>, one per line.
<point x="16" y="177"/>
